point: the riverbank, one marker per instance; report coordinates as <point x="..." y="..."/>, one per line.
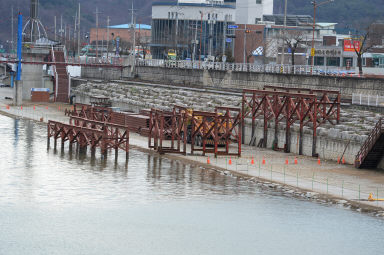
<point x="327" y="183"/>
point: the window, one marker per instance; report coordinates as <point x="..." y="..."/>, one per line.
<point x="319" y="61"/>
<point x="258" y="1"/>
<point x="364" y="60"/>
<point x="333" y="61"/>
<point x="257" y="20"/>
<point x="348" y="62"/>
<point x="381" y="62"/>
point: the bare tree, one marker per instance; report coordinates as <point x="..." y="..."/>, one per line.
<point x="143" y="42"/>
<point x="293" y="39"/>
<point x="366" y="43"/>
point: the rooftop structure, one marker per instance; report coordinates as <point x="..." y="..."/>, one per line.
<point x="252" y="11"/>
<point x="33" y="29"/>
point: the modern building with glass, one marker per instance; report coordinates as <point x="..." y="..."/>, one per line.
<point x="194" y="29"/>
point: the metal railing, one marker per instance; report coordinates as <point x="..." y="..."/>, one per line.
<point x="94" y="60"/>
<point x="55" y="72"/>
<point x="369" y="143"/>
<point x="241" y="67"/>
<point x="370" y="100"/>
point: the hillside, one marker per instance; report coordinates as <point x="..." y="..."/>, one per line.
<point x="350" y="14"/>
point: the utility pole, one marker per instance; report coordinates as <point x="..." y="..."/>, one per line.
<point x="245" y="43"/>
<point x="133" y="29"/>
<point x="107" y="37"/>
<point x="61" y="28"/>
<point x="12" y="36"/>
<point x="201" y="35"/>
<point x="74" y="33"/>
<point x="55" y="28"/>
<point x="225" y="33"/>
<point x="284" y="31"/>
<point x="177" y="28"/>
<point x="97" y="32"/>
<point x="315" y="5"/>
<point x="194" y="44"/>
<point x="78" y="34"/>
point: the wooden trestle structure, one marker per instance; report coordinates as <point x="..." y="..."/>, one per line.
<point x="85" y="132"/>
<point x="218" y="132"/>
<point x="169" y="126"/>
<point x="310" y="108"/>
<point x="90" y="112"/>
<point x="211" y="130"/>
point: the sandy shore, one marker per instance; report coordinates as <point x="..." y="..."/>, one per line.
<point x="327" y="182"/>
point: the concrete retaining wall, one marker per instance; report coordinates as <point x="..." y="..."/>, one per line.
<point x="327" y="148"/>
<point x="240" y="80"/>
<point x="32" y="76"/>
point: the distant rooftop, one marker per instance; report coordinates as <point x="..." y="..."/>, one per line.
<point x="127" y="26"/>
<point x="216" y="5"/>
<point x="292" y="20"/>
<point x="325" y="24"/>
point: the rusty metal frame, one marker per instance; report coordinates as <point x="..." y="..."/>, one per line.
<point x="90" y="112"/>
<point x="170" y="126"/>
<point x="291" y="107"/>
<point x="203" y="126"/>
<point x="328" y="105"/>
<point x="228" y="128"/>
<point x="90" y="133"/>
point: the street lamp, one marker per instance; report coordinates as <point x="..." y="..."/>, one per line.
<point x="315" y="5"/>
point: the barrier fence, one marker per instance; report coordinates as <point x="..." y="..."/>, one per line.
<point x="297" y="175"/>
<point x="241" y="67"/>
<point x="370" y="100"/>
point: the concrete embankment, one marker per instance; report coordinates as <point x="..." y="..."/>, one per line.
<point x="326" y="183"/>
<point x="333" y="141"/>
<point x="239" y="80"/>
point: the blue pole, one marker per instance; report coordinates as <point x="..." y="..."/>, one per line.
<point x="12" y="79"/>
<point x="19" y="40"/>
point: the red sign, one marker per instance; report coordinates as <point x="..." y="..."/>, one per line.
<point x="349" y="46"/>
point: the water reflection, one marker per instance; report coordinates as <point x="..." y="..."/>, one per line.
<point x="151" y="204"/>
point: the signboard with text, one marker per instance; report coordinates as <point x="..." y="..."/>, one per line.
<point x="351" y="45"/>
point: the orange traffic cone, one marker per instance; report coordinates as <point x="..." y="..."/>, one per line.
<point x="230" y="161"/>
<point x="34" y="107"/>
<point x="263" y="162"/>
<point x="338" y="160"/>
<point x="21" y="107"/>
<point x="343" y="160"/>
<point x="46" y="107"/>
<point x="295" y="160"/>
<point x="7" y="107"/>
<point x="318" y="161"/>
<point x="252" y="161"/>
<point x="286" y="161"/>
<point x="208" y="161"/>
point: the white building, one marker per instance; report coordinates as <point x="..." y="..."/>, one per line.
<point x="252" y="11"/>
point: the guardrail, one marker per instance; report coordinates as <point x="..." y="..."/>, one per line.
<point x="94" y="60"/>
<point x="55" y="72"/>
<point x="241" y="67"/>
<point x="370" y="100"/>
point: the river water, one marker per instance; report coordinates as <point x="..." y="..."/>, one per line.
<point x="56" y="202"/>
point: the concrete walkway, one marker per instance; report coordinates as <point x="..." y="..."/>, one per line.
<point x="343" y="182"/>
